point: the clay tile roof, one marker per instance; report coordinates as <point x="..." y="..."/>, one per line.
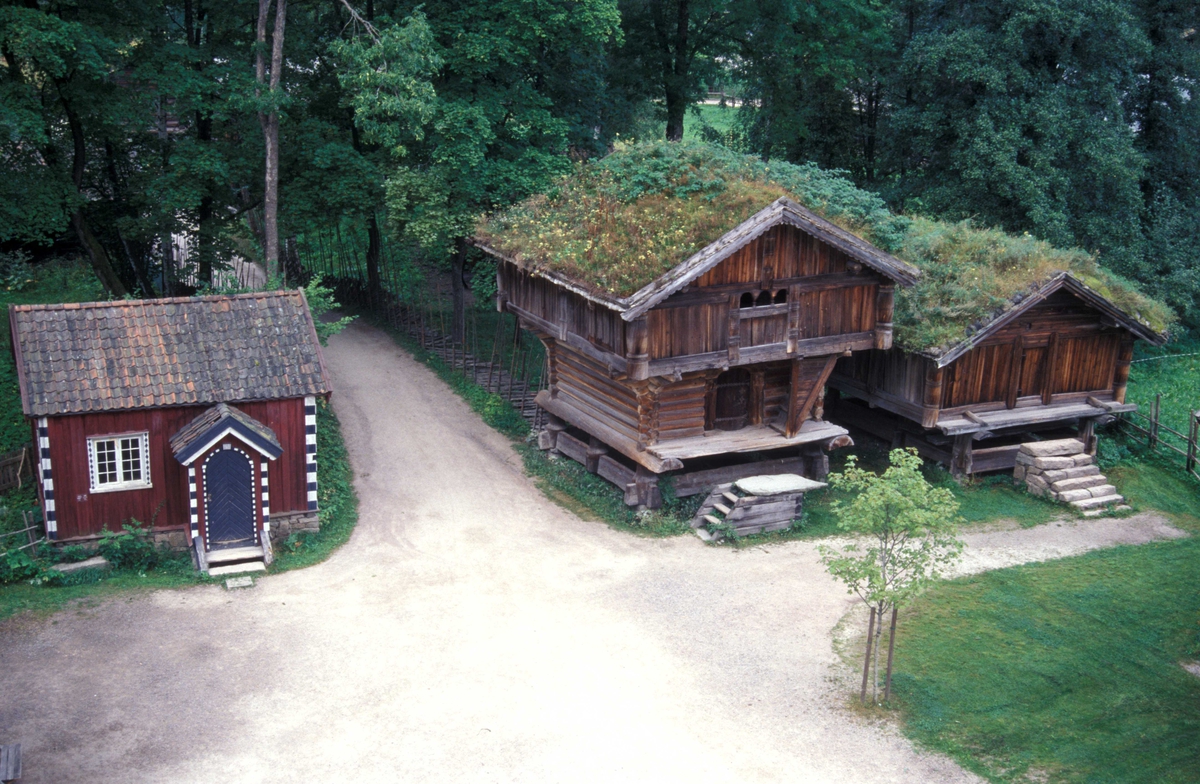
<point x="218" y="421"/>
<point x="104" y="356"/>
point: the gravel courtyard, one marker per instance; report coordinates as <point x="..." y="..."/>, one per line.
<point x="472" y="631"/>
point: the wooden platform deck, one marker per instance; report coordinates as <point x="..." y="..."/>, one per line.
<point x="755" y="438"/>
<point x="972" y="422"/>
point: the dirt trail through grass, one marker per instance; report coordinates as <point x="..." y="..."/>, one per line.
<point x="470" y="631"/>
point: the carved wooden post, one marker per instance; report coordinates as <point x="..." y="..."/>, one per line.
<point x="548" y="438"/>
<point x="932" y="398"/>
<point x="1052" y="369"/>
<point x="1121" y="378"/>
<point x="646" y="494"/>
<point x="596" y="449"/>
<point x="756" y="397"/>
<point x="734" y="341"/>
<point x="792" y="426"/>
<point x="885" y="299"/>
<point x="961" y="458"/>
<point x="1014" y="371"/>
<point x="1087" y="434"/>
<point x="637" y="349"/>
<point x="793" y="332"/>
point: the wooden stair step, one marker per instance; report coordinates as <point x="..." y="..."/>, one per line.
<point x="237" y="568"/>
<point x="725" y="510"/>
<point x="713" y="520"/>
<point x="730" y="497"/>
<point x="229" y="554"/>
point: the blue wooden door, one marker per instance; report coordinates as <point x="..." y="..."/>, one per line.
<point x="229" y="500"/>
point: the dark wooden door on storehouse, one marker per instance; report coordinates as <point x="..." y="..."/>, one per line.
<point x="229" y="499"/>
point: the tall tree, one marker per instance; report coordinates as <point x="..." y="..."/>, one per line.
<point x="674" y="45"/>
<point x="268" y="118"/>
<point x="1014" y="114"/>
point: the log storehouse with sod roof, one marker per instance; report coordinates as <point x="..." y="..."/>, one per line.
<point x="712" y="368"/>
<point x="1053" y="363"/>
<point x="694" y="304"/>
<point x="193" y="416"/>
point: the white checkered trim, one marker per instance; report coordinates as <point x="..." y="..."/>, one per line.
<point x="51" y="517"/>
<point x="310" y="449"/>
<point x="192" y="501"/>
<point x="266" y="500"/>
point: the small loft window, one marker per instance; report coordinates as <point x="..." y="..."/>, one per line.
<point x="781" y="297"/>
<point x="119" y="462"/>
<point x="764" y="298"/>
<point x="747" y="300"/>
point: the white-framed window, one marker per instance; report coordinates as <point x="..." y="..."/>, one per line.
<point x="119" y="462"/>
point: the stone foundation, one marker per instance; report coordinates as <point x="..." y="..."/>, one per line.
<point x="285" y="524"/>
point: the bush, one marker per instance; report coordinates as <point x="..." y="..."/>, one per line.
<point x="131" y="549"/>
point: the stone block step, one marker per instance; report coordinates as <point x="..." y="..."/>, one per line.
<point x="1078" y="483"/>
<point x="1071" y="496"/>
<point x="1102" y="491"/>
<point x="1084" y="460"/>
<point x="705" y="535"/>
<point x="1056" y="448"/>
<point x="233" y="554"/>
<point x="1093" y="503"/>
<point x="237" y="568"/>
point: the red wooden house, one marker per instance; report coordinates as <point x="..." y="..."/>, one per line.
<point x="194" y="416"/>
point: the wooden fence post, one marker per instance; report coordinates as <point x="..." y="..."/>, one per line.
<point x="1153" y="438"/>
<point x="1193" y="437"/>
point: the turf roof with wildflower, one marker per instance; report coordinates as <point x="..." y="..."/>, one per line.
<point x="618" y="223"/>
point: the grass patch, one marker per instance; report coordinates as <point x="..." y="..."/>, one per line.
<point x="1065" y="671"/>
<point x="1166" y="370"/>
<point x="336" y="500"/>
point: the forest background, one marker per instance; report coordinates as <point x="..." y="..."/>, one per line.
<point x="140" y="135"/>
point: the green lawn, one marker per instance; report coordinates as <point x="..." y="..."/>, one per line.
<point x="1062" y="671"/>
<point x="1067" y="670"/>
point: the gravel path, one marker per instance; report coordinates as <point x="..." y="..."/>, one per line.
<point x="470" y="631"/>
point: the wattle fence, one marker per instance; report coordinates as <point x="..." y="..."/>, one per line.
<point x="1150" y="428"/>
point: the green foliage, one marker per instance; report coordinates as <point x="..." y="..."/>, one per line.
<point x="321" y="301"/>
<point x="907" y="527"/>
<point x="336" y="499"/>
<point x="131" y="549"/>
<point x="386" y="76"/>
<point x="1063" y="671"/>
<point x="619" y="223"/>
<point x="970" y="276"/>
<point x="19" y="566"/>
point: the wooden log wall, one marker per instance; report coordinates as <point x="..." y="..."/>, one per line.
<point x="594" y="323"/>
<point x="586" y="385"/>
<point x="1057" y="350"/>
<point x="783" y="287"/>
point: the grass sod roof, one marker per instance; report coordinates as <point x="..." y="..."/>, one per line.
<point x="618" y="223"/>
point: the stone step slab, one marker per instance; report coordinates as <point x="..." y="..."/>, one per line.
<point x="1078" y="483"/>
<point x="1093" y="503"/>
<point x="1100" y="491"/>
<point x="1056" y="448"/>
<point x="1046" y="463"/>
<point x="1078" y="471"/>
<point x="1071" y="496"/>
<point x="221" y="571"/>
<point x="1084" y="460"/>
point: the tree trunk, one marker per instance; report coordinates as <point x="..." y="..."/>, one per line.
<point x="459" y="292"/>
<point x="677" y="78"/>
<point x="270" y="127"/>
<point x="867" y="657"/>
<point x="878" y="635"/>
<point x="97" y="255"/>
<point x="374" y="243"/>
<point x="101" y="263"/>
<point x="887" y="684"/>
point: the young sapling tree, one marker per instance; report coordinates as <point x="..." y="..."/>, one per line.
<point x="904" y="536"/>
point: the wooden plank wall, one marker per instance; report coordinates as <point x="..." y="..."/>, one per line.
<point x="83" y="513"/>
<point x="1061" y="341"/>
<point x="595" y="323"/>
<point x="781" y="252"/>
<point x="586" y="385"/>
